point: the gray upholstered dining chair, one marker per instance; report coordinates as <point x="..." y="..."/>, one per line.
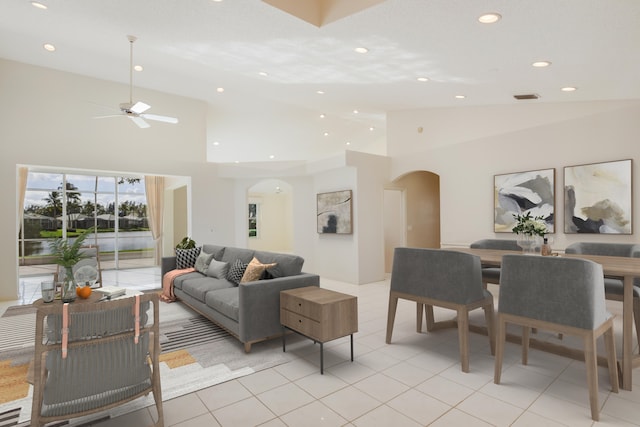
<point x="613" y="286"/>
<point x="564" y="295"/>
<point x="93" y="356"/>
<point x="442" y="278"/>
<point x="492" y="274"/>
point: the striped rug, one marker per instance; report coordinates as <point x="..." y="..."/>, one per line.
<point x="195" y="354"/>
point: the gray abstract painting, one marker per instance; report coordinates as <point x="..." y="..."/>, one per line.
<point x="597" y="198"/>
<point x="522" y="192"/>
<point x="334" y="212"/>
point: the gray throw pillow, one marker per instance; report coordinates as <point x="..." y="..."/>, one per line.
<point x="218" y="269"/>
<point x="202" y="262"/>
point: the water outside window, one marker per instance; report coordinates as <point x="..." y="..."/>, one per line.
<point x="64" y="205"/>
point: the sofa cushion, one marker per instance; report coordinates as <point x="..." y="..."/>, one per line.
<point x="186" y="258"/>
<point x="202" y="262"/>
<point x="218" y="269"/>
<point x="254" y="270"/>
<point x="216" y="250"/>
<point x="236" y="271"/>
<point x="232" y="254"/>
<point x="199" y="287"/>
<point x="225" y="301"/>
<point x="179" y="280"/>
<point x="288" y="265"/>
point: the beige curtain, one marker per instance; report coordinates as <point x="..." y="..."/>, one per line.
<point x="23" y="172"/>
<point x="154" y="187"/>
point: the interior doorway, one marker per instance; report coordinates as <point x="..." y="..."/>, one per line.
<point x="270" y="216"/>
<point x="419" y="209"/>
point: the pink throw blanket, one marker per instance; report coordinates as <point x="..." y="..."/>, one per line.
<point x="167" y="283"/>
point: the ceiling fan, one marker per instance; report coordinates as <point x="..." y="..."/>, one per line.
<point x="136" y="111"/>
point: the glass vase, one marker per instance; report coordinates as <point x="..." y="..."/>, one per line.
<point x="530" y="244"/>
<point x="68" y="289"/>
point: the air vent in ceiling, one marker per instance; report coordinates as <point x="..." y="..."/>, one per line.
<point x="526" y="96"/>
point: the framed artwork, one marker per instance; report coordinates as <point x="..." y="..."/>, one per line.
<point x="334" y="212"/>
<point x="522" y="192"/>
<point x="597" y="198"/>
<point x="253" y="220"/>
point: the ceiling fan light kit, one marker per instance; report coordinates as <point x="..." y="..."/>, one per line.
<point x="136" y="111"/>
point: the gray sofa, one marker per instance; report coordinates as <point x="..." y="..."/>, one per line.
<point x="251" y="310"/>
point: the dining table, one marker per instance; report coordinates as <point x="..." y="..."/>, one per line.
<point x="626" y="268"/>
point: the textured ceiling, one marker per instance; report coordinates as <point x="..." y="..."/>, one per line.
<point x="192" y="47"/>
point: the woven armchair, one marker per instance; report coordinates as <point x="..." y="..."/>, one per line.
<point x="91" y="357"/>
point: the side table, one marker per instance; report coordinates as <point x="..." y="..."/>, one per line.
<point x="319" y="314"/>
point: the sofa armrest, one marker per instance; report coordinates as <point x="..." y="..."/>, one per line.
<point x="259" y="304"/>
<point x="168" y="263"/>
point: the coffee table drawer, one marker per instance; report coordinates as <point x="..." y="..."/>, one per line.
<point x="301" y="324"/>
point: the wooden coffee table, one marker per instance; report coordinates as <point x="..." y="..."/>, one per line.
<point x="319" y="314"/>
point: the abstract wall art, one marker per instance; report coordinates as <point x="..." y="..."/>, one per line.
<point x="597" y="198"/>
<point x="522" y="192"/>
<point x="334" y="212"/>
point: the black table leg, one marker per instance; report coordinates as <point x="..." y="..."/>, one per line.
<point x="321" y="359"/>
<point x="284" y="332"/>
<point x="352" y="347"/>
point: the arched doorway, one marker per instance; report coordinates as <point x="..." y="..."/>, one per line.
<point x="420" y="210"/>
<point x="269" y="216"/>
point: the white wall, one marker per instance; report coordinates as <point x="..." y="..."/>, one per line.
<point x="468" y="146"/>
<point x="46" y="119"/>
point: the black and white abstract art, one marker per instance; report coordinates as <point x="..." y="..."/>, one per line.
<point x="597" y="198"/>
<point x="522" y="192"/>
<point x="334" y="212"/>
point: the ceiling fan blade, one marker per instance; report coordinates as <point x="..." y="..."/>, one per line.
<point x="158" y="118"/>
<point x="107" y="116"/>
<point x="140" y="107"/>
<point x="139" y="121"/>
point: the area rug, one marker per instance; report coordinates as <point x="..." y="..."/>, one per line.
<point x="196" y="354"/>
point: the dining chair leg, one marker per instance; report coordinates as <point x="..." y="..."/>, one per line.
<point x="525" y="345"/>
<point x="500" y="338"/>
<point x="431" y="320"/>
<point x="391" y="315"/>
<point x="463" y="337"/>
<point x="419" y="311"/>
<point x="612" y="362"/>
<point x="490" y="320"/>
<point x="592" y="373"/>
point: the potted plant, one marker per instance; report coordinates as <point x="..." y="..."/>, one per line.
<point x="66" y="256"/>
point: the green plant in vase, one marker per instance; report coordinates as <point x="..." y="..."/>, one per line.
<point x="66" y="256"/>
<point x="530" y="230"/>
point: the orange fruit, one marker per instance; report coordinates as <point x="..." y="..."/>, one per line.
<point x="83" y="291"/>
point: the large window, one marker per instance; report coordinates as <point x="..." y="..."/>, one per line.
<point x="63" y="205"/>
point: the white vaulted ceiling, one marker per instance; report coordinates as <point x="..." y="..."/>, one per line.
<point x="271" y="61"/>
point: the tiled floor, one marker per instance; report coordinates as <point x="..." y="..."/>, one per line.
<point x="412" y="382"/>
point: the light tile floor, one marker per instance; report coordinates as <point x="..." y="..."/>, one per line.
<point x="414" y="381"/>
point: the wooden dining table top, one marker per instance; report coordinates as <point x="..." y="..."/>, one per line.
<point x="611" y="265"/>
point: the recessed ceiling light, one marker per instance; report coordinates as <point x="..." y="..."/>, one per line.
<point x="39" y="5"/>
<point x="489" y="18"/>
<point x="237" y="161"/>
<point x="263" y="73"/>
<point x="326" y="134"/>
<point x="372" y="128"/>
<point x="569" y="89"/>
<point x="355" y="111"/>
<point x="460" y="96"/>
<point x="541" y="64"/>
<point x="220" y="90"/>
<point x="49" y="47"/>
<point x="217" y="1"/>
<point x="216" y="143"/>
<point x="361" y="50"/>
<point x="348" y="143"/>
<point x="272" y="156"/>
<point x="423" y="79"/>
<point x="322" y="116"/>
<point x="138" y="67"/>
<point x="320" y="92"/>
